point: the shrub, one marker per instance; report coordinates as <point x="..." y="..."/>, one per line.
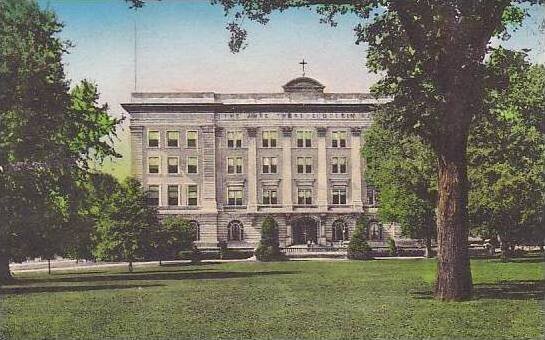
<point x="392" y="248"/>
<point x="269" y="247"/>
<point x="358" y="248"/>
<point x="224" y="251"/>
<point x="196" y="254"/>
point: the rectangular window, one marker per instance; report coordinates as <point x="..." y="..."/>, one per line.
<point x="304" y="165"/>
<point x="269" y="139"/>
<point x="153" y="165"/>
<point x="173" y="195"/>
<point x="192" y="165"/>
<point x="270" y="165"/>
<point x="172" y="163"/>
<point x="304" y="139"/>
<point x="372" y="196"/>
<point x="192" y="195"/>
<point x="191" y="139"/>
<point x="338" y="139"/>
<point x="338" y="165"/>
<point x="234" y="165"/>
<point x="234" y="196"/>
<point x="234" y="139"/>
<point x="270" y="196"/>
<point x="304" y="196"/>
<point x="152" y="196"/>
<point x="339" y="195"/>
<point x="172" y="138"/>
<point x="153" y="139"/>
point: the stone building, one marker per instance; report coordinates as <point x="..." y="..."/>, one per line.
<point x="226" y="161"/>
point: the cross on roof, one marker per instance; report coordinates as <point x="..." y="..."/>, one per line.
<point x="303" y="63"/>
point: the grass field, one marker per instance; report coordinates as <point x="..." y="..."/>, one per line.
<point x="298" y="299"/>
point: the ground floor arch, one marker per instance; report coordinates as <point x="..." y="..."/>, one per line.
<point x="305" y="230"/>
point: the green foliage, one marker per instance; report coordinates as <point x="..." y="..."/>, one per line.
<point x="358" y="248"/>
<point x="174" y="235"/>
<point x="269" y="247"/>
<point x="48" y="136"/>
<point x="126" y="227"/>
<point x="392" y="247"/>
<point x="404" y="171"/>
<point x="507" y="153"/>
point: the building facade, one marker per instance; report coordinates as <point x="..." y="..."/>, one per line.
<point x="226" y="161"/>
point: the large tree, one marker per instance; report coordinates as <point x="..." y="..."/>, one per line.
<point x="402" y="168"/>
<point x="48" y="135"/>
<point x="507" y="153"/>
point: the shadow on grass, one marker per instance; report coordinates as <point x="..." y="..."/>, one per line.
<point x="504" y="290"/>
<point x="6" y="290"/>
<point x="153" y="276"/>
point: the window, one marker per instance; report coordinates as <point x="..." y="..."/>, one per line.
<point x="304" y="165"/>
<point x="376" y="231"/>
<point x="153" y="165"/>
<point x="339" y="195"/>
<point x="234" y="139"/>
<point x="338" y="165"/>
<point x="338" y="139"/>
<point x="173" y="195"/>
<point x="191" y="139"/>
<point x="372" y="196"/>
<point x="304" y="139"/>
<point x="192" y="195"/>
<point x="234" y="196"/>
<point x="196" y="229"/>
<point x="172" y="163"/>
<point x="270" y="165"/>
<point x="340" y="231"/>
<point x="304" y="196"/>
<point x="235" y="231"/>
<point x="269" y="139"/>
<point x="172" y="138"/>
<point x="152" y="196"/>
<point x="153" y="139"/>
<point x="234" y="165"/>
<point x="270" y="196"/>
<point x="191" y="165"/>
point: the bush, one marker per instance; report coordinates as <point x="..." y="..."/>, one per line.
<point x="392" y="248"/>
<point x="224" y="251"/>
<point x="358" y="248"/>
<point x="196" y="255"/>
<point x="269" y="246"/>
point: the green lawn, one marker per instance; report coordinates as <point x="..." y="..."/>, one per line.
<point x="386" y="299"/>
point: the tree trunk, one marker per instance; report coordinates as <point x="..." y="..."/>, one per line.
<point x="160" y="263"/>
<point x="5" y="274"/>
<point x="429" y="250"/>
<point x="49" y="266"/>
<point x="454" y="281"/>
<point x="130" y="266"/>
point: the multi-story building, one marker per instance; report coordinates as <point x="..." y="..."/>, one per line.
<point x="226" y="161"/>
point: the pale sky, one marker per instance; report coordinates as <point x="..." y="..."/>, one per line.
<point x="182" y="46"/>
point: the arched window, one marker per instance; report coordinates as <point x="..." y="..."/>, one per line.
<point x="376" y="231"/>
<point x="195" y="225"/>
<point x="235" y="231"/>
<point x="340" y="230"/>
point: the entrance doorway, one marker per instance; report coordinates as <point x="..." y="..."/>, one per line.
<point x="305" y="229"/>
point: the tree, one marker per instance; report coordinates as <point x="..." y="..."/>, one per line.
<point x="126" y="227"/>
<point x="403" y="170"/>
<point x="269" y="246"/>
<point x="358" y="248"/>
<point x="173" y="236"/>
<point x="507" y="153"/>
<point x="48" y="136"/>
<point x="431" y="57"/>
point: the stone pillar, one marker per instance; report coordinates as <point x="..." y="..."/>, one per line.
<point x="355" y="158"/>
<point x="208" y="152"/>
<point x="287" y="193"/>
<point x="137" y="152"/>
<point x="321" y="172"/>
<point x="252" y="169"/>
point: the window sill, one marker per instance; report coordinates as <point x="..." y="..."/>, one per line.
<point x="234" y="207"/>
